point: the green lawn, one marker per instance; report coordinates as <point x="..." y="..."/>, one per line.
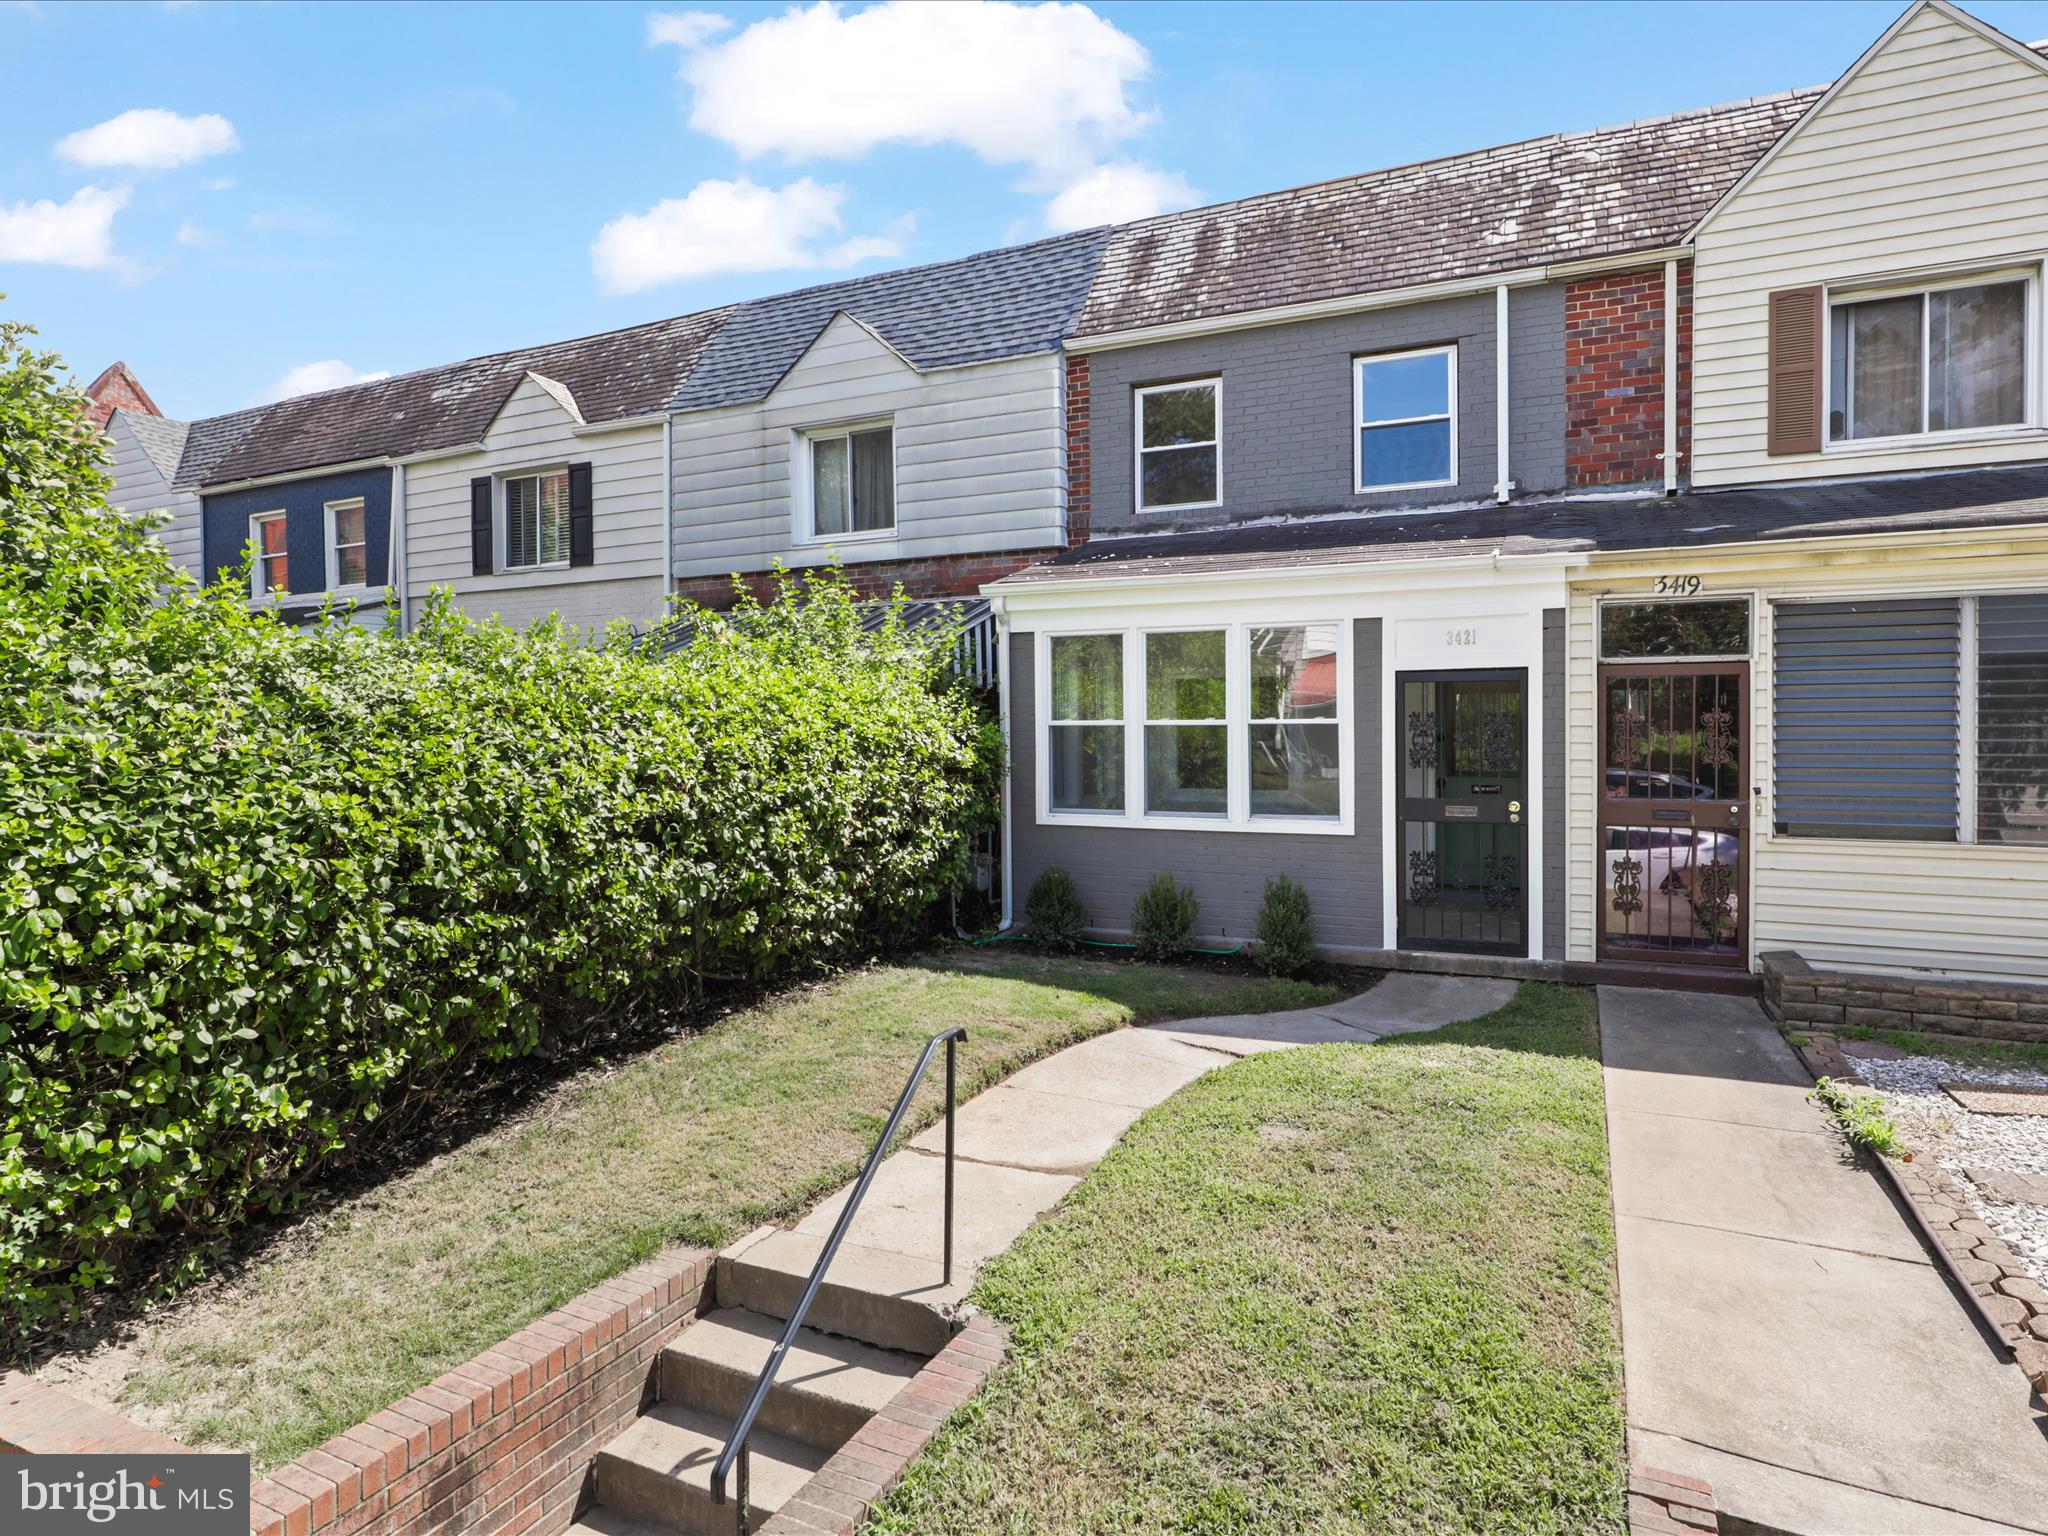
<point x="1351" y="1288"/>
<point x="695" y="1142"/>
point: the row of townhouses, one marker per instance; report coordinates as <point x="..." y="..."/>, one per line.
<point x="1624" y="547"/>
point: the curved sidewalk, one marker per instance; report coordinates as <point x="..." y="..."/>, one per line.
<point x="1785" y="1335"/>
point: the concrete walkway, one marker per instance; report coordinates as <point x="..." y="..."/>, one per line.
<point x="1027" y="1141"/>
<point x="1785" y="1335"/>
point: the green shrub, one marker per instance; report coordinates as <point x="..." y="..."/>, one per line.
<point x="262" y="887"/>
<point x="1287" y="929"/>
<point x="1163" y="921"/>
<point x="1055" y="910"/>
<point x="1861" y="1117"/>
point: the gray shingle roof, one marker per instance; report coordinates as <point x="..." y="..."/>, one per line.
<point x="208" y="440"/>
<point x="618" y="374"/>
<point x="1564" y="198"/>
<point x="1004" y="303"/>
<point x="1965" y="500"/>
<point x="163" y="440"/>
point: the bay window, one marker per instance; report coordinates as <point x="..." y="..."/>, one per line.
<point x="1945" y="359"/>
<point x="1238" y="725"/>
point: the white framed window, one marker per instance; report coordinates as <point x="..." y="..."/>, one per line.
<point x="1405" y="406"/>
<point x="348" y="545"/>
<point x="1084" y="753"/>
<point x="1187" y="723"/>
<point x="1236" y="725"/>
<point x="272" y="570"/>
<point x="849" y="482"/>
<point x="1946" y="357"/>
<point x="1179" y="455"/>
<point x="533" y="528"/>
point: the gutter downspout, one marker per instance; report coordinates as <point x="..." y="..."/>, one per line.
<point x="1002" y="618"/>
<point x="1671" y="377"/>
<point x="403" y="566"/>
<point x="1503" y="485"/>
<point x="668" y="512"/>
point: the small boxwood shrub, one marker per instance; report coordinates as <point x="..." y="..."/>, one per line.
<point x="1163" y="921"/>
<point x="1055" y="910"/>
<point x="1286" y="931"/>
<point x="262" y="889"/>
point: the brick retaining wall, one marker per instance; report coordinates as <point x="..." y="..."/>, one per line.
<point x="1798" y="993"/>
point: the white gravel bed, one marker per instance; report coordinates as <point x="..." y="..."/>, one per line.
<point x="1957" y="1140"/>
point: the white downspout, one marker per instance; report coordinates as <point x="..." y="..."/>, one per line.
<point x="668" y="512"/>
<point x="401" y="566"/>
<point x="1502" y="483"/>
<point x="1671" y="377"/>
<point x="1002" y="626"/>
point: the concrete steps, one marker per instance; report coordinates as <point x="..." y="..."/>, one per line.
<point x="894" y="1301"/>
<point x="659" y="1471"/>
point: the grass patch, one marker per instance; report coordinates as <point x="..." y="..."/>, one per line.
<point x="1348" y="1288"/>
<point x="1996" y="1054"/>
<point x="1861" y="1117"/>
<point x="747" y="1121"/>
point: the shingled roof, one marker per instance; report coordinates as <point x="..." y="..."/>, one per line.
<point x="1568" y="197"/>
<point x="1980" y="499"/>
<point x="162" y="439"/>
<point x="1005" y="303"/>
<point x="613" y="376"/>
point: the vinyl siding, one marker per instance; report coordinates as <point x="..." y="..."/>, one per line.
<point x="1968" y="909"/>
<point x="1227" y="870"/>
<point x="980" y="458"/>
<point x="139" y="488"/>
<point x="1932" y="156"/>
<point x="533" y="431"/>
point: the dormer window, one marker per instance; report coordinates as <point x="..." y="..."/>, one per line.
<point x="536" y="520"/>
<point x="852" y="481"/>
<point x="1942" y="359"/>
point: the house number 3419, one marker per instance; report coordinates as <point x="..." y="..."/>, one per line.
<point x="1678" y="586"/>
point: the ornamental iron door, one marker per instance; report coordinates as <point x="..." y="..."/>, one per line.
<point x="1674" y="767"/>
<point x="1462" y="759"/>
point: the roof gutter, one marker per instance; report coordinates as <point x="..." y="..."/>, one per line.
<point x="1361" y="303"/>
<point x="1324" y="571"/>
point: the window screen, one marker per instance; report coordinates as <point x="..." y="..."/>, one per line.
<point x="1865" y="719"/>
<point x="2012" y="719"/>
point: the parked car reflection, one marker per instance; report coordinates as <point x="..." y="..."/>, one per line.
<point x="1642" y="784"/>
<point x="1683" y="886"/>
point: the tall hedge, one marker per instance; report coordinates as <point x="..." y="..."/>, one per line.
<point x="261" y="886"/>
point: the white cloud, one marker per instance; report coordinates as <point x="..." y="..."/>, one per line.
<point x="192" y="232"/>
<point x="1121" y="190"/>
<point x="76" y="233"/>
<point x="684" y="29"/>
<point x="221" y="184"/>
<point x="1042" y="86"/>
<point x="149" y="139"/>
<point x="309" y="378"/>
<point x="732" y="226"/>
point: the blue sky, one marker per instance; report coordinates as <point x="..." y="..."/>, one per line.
<point x="241" y="199"/>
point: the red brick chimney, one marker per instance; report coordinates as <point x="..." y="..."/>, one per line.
<point x="116" y="389"/>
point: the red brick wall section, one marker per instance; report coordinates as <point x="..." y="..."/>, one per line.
<point x="1614" y="378"/>
<point x="1080" y="482"/>
<point x="116" y="389"/>
<point x="937" y="576"/>
<point x="500" y="1446"/>
<point x="837" y="1499"/>
<point x="1669" y="1504"/>
<point x="36" y="1420"/>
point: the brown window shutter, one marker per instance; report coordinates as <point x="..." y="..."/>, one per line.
<point x="1794" y="401"/>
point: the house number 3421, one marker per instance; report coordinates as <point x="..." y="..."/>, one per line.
<point x="1678" y="586"/>
<point x="1461" y="637"/>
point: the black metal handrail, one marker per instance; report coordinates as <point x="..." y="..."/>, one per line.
<point x="743" y="1427"/>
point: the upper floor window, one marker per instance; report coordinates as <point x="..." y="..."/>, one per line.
<point x="271" y="572"/>
<point x="1407" y="414"/>
<point x="348" y="550"/>
<point x="1946" y="359"/>
<point x="853" y="481"/>
<point x="1179" y="458"/>
<point x="536" y="520"/>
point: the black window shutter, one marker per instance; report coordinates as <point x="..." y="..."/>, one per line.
<point x="582" y="540"/>
<point x="480" y="525"/>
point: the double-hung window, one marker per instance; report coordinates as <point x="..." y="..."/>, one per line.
<point x="852" y="481"/>
<point x="1085" y="728"/>
<point x="1945" y="359"/>
<point x="1179" y="445"/>
<point x="1187" y="724"/>
<point x="1406" y="409"/>
<point x="271" y="572"/>
<point x="536" y="520"/>
<point x="348" y="549"/>
<point x="1238" y="725"/>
